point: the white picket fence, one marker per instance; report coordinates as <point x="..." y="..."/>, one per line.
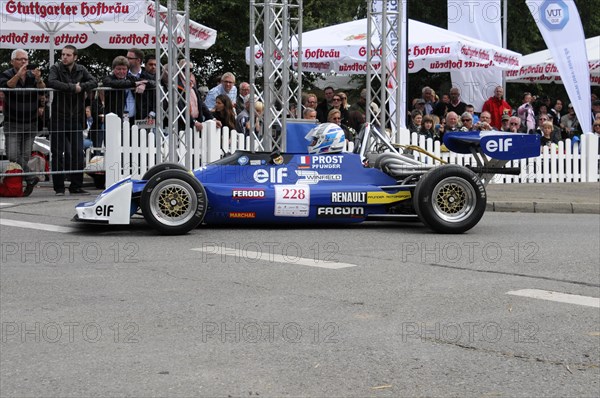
<point x="567" y="163"/>
<point x="132" y="153"/>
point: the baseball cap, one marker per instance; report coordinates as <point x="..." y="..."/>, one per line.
<point x="420" y="101"/>
<point x="505" y="117"/>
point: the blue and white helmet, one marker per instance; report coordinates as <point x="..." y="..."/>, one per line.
<point x="326" y="138"/>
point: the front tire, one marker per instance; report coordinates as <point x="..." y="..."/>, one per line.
<point x="450" y="199"/>
<point x="173" y="202"/>
<point x="154" y="170"/>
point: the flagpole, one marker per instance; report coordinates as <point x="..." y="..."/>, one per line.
<point x="504" y="38"/>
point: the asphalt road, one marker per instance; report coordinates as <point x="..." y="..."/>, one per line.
<point x="371" y="310"/>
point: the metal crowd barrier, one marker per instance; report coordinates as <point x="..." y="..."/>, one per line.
<point x="66" y="132"/>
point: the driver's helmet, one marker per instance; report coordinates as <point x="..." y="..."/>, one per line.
<point x="326" y="138"/>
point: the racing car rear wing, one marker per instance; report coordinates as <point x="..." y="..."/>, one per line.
<point x="495" y="144"/>
<point x="491" y="150"/>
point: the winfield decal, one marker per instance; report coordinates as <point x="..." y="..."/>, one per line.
<point x="313" y="177"/>
<point x="348" y="197"/>
<point x="381" y="198"/>
<point x="340" y="211"/>
<point x="248" y="193"/>
<point x="247" y="214"/>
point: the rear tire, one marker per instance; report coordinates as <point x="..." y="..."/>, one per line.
<point x="450" y="199"/>
<point x="154" y="170"/>
<point x="173" y="202"/>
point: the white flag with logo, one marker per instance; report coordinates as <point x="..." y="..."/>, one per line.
<point x="560" y="26"/>
<point x="479" y="20"/>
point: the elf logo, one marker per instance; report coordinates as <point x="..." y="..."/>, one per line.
<point x="511" y="146"/>
<point x="272" y="175"/>
<point x="502" y="145"/>
<point x="104" y="210"/>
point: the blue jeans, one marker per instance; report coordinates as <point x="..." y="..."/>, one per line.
<point x="19" y="143"/>
<point x="66" y="143"/>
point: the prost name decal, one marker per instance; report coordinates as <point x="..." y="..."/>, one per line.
<point x="321" y="162"/>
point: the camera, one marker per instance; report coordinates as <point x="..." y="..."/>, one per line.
<point x="32" y="66"/>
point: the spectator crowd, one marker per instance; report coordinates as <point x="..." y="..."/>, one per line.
<point x="129" y="91"/>
<point x="544" y="116"/>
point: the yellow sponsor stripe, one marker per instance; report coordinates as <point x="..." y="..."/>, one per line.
<point x="381" y="198"/>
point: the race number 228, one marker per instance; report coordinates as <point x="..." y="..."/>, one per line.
<point x="294" y="193"/>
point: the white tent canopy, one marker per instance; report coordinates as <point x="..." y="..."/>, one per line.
<point x="137" y="30"/>
<point x="539" y="67"/>
<point x="343" y="49"/>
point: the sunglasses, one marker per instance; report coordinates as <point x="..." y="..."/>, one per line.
<point x="514" y="124"/>
<point x="337" y="99"/>
<point x="466" y="120"/>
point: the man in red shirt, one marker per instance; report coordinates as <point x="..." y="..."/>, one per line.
<point x="497" y="107"/>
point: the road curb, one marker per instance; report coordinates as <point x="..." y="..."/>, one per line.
<point x="586" y="208"/>
<point x="544" y="207"/>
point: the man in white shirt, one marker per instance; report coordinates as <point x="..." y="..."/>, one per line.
<point x="227" y="87"/>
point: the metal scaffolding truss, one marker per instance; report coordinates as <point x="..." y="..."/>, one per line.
<point x="273" y="24"/>
<point x="385" y="81"/>
<point x="178" y="142"/>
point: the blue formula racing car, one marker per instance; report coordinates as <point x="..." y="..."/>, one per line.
<point x="322" y="187"/>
